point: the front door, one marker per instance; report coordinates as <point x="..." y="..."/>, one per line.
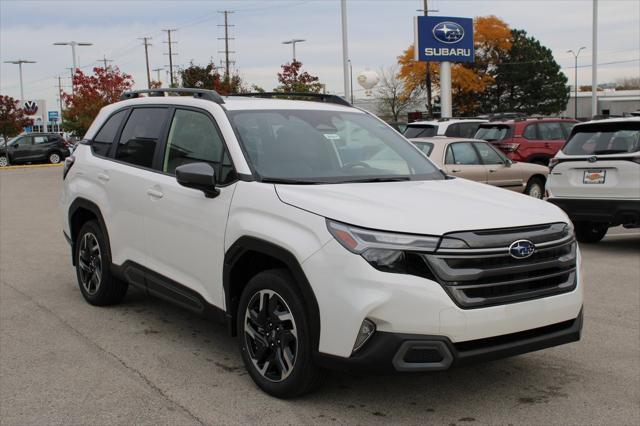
<point x="462" y="160"/>
<point x="22" y="149"/>
<point x="184" y="230"/>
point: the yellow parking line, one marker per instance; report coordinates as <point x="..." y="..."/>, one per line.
<point x="31" y="166"/>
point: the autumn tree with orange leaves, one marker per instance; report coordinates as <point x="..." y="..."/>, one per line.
<point x="491" y="39"/>
<point x="90" y="94"/>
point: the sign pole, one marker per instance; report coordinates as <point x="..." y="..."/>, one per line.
<point x="445" y="90"/>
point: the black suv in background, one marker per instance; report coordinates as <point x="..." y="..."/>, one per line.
<point x="34" y="147"/>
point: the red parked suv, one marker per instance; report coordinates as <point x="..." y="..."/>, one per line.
<point x="531" y="140"/>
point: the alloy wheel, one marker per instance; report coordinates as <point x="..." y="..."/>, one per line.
<point x="535" y="191"/>
<point x="54" y="158"/>
<point x="271" y="335"/>
<point x="90" y="263"/>
<point x="3" y="161"/>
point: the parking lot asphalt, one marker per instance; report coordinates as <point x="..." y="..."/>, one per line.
<point x="148" y="362"/>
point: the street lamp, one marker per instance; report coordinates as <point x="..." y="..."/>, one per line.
<point x="19" y="63"/>
<point x="350" y="78"/>
<point x="73" y="45"/>
<point x="575" y="81"/>
<point x="293" y="42"/>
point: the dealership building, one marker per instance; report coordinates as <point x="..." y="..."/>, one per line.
<point x="610" y="102"/>
<point x="43" y="120"/>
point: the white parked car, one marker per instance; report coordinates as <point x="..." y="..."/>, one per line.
<point x="595" y="178"/>
<point x="320" y="234"/>
<point x="451" y="127"/>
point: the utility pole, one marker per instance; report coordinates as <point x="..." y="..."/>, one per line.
<point x="575" y="81"/>
<point x="19" y="63"/>
<point x="428" y="74"/>
<point x="73" y="86"/>
<point x="158" y="71"/>
<point x="170" y="43"/>
<point x="145" y="41"/>
<point x="60" y="93"/>
<point x="105" y="60"/>
<point x="226" y="41"/>
<point x="594" y="61"/>
<point x="345" y="49"/>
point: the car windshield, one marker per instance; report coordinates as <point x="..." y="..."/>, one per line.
<point x="603" y="141"/>
<point x="492" y="133"/>
<point x="308" y="146"/>
<point x="420" y="131"/>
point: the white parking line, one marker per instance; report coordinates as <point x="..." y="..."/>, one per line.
<point x="623" y="235"/>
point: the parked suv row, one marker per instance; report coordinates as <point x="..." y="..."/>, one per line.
<point x="324" y="238"/>
<point x="34" y="147"/>
<point x="531" y="140"/>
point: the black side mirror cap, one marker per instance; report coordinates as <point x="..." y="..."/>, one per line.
<point x="199" y="176"/>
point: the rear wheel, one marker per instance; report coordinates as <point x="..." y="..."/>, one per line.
<point x="4" y="161"/>
<point x="54" y="158"/>
<point x="591" y="232"/>
<point x="275" y="340"/>
<point x="535" y="188"/>
<point x="93" y="267"/>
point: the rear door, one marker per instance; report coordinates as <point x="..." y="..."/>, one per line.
<point x="500" y="173"/>
<point x="462" y="160"/>
<point x="552" y="136"/>
<point x="42" y="144"/>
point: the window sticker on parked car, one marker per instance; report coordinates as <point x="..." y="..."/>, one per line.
<point x="332" y="136"/>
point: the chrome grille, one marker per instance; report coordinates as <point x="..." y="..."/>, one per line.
<point x="485" y="274"/>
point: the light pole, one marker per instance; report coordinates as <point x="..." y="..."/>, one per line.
<point x="575" y="80"/>
<point x="19" y="63"/>
<point x="293" y="42"/>
<point x="73" y="45"/>
<point x="345" y="47"/>
<point x="351" y="78"/>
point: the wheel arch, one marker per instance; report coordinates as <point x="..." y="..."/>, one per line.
<point x="249" y="256"/>
<point x="81" y="211"/>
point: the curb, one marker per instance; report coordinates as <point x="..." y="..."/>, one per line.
<point x="31" y="166"/>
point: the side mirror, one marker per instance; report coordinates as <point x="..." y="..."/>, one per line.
<point x="508" y="163"/>
<point x="199" y="176"/>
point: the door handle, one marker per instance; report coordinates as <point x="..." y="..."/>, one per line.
<point x="155" y="193"/>
<point x="456" y="171"/>
<point x="103" y="177"/>
<point x="492" y="170"/>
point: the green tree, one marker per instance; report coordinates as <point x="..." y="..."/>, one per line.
<point x="294" y="80"/>
<point x="527" y="80"/>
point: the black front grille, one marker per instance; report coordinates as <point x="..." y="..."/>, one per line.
<point x="487" y="275"/>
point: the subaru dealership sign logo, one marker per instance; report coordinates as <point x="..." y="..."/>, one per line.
<point x="521" y="249"/>
<point x="448" y="32"/>
<point x="444" y="39"/>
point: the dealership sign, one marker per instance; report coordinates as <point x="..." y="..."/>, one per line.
<point x="443" y="39"/>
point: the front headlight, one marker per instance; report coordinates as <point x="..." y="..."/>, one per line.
<point x="386" y="251"/>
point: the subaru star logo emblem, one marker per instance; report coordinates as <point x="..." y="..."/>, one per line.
<point x="448" y="32"/>
<point x="593" y="159"/>
<point x="521" y="249"/>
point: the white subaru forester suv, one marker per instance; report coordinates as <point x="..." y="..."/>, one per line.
<point x="322" y="236"/>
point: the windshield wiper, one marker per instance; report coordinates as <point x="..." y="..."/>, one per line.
<point x="292" y="181"/>
<point x="377" y="179"/>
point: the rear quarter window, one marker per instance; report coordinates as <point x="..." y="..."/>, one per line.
<point x="493" y="133"/>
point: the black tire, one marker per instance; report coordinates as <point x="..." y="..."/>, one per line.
<point x="303" y="376"/>
<point x="4" y="160"/>
<point x="93" y="267"/>
<point x="535" y="188"/>
<point x="591" y="232"/>
<point x="54" y="157"/>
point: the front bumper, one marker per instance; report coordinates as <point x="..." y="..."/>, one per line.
<point x="613" y="211"/>
<point x="397" y="352"/>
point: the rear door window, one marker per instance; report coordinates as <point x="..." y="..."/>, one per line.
<point x="550" y="131"/>
<point x="530" y="132"/>
<point x="420" y="131"/>
<point x="105" y="137"/>
<point x="141" y="135"/>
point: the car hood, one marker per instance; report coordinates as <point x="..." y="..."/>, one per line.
<point x="421" y="207"/>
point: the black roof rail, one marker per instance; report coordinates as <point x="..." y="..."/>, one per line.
<point x="316" y="97"/>
<point x="209" y="95"/>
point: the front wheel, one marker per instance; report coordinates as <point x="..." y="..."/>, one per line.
<point x="535" y="188"/>
<point x="275" y="340"/>
<point x="54" y="158"/>
<point x="4" y="161"/>
<point x="590" y="232"/>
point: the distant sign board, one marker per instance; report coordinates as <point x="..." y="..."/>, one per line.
<point x="443" y="39"/>
<point x="53" y="115"/>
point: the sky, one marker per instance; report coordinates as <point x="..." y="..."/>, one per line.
<point x="378" y="31"/>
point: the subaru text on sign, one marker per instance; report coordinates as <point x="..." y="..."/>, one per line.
<point x="444" y="39"/>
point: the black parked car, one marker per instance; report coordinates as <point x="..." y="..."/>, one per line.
<point x="34" y="147"/>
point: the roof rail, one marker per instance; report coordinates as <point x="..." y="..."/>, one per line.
<point x="316" y="97"/>
<point x="443" y="119"/>
<point x="209" y="95"/>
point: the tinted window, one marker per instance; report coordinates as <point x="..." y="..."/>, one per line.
<point x="492" y="133"/>
<point x="103" y="140"/>
<point x="420" y="131"/>
<point x="488" y="155"/>
<point x="40" y="139"/>
<point x="453" y="130"/>
<point x="194" y="138"/>
<point x="425" y="147"/>
<point x="550" y="131"/>
<point x="468" y="130"/>
<point x="464" y="154"/>
<point x="529" y="132"/>
<point x="603" y="141"/>
<point x="140" y="136"/>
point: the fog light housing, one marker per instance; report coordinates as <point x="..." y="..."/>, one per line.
<point x="366" y="331"/>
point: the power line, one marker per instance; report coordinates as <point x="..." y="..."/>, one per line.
<point x="104" y="60"/>
<point x="226" y="41"/>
